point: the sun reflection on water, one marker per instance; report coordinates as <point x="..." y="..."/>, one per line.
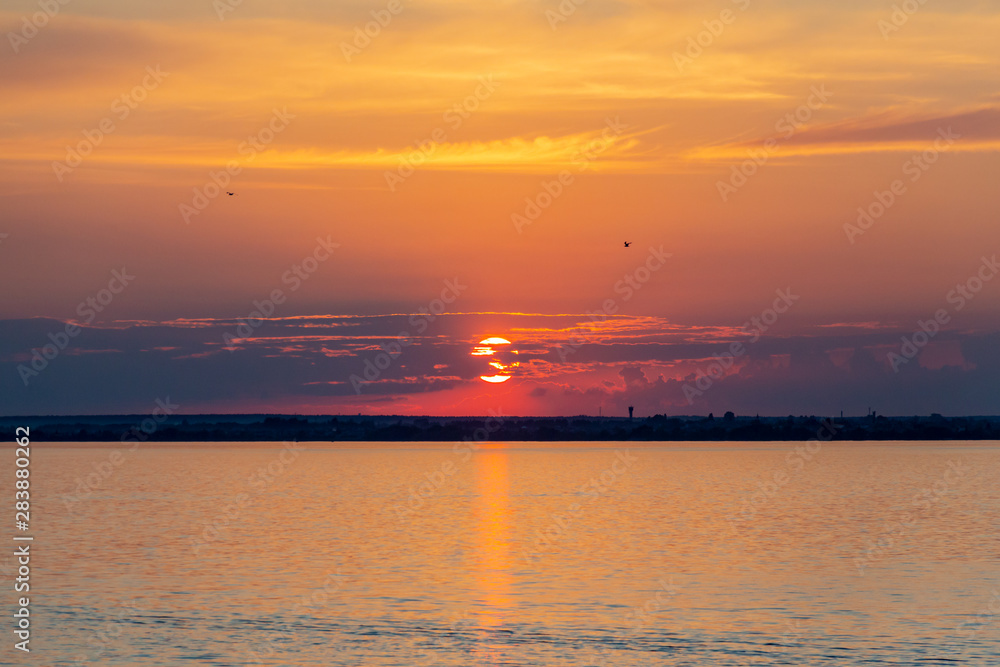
<point x="493" y="574"/>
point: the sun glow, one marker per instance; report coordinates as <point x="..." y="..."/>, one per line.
<point x="485" y="348"/>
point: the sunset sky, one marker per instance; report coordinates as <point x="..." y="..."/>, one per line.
<point x="487" y="160"/>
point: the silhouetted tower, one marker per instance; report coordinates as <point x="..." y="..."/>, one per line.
<point x="630" y="409"/>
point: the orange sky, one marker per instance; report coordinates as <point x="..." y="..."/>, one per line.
<point x="607" y="117"/>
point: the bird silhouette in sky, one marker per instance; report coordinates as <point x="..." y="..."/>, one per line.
<point x="628" y="243"/>
<point x="230" y="193"/>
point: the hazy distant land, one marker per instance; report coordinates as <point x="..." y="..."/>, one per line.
<point x="331" y="428"/>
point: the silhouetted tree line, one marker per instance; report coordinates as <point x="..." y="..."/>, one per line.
<point x="236" y="428"/>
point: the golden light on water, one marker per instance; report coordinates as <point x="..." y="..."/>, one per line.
<point x="493" y="571"/>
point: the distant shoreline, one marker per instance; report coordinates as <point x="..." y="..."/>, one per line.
<point x="390" y="428"/>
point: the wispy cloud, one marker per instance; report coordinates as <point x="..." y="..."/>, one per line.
<point x="624" y="360"/>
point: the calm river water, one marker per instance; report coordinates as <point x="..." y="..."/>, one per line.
<point x="381" y="554"/>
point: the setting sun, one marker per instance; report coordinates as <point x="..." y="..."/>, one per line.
<point x="715" y="266"/>
<point x="485" y="348"/>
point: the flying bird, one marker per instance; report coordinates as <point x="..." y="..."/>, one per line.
<point x="628" y="243"/>
<point x="230" y="193"/>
